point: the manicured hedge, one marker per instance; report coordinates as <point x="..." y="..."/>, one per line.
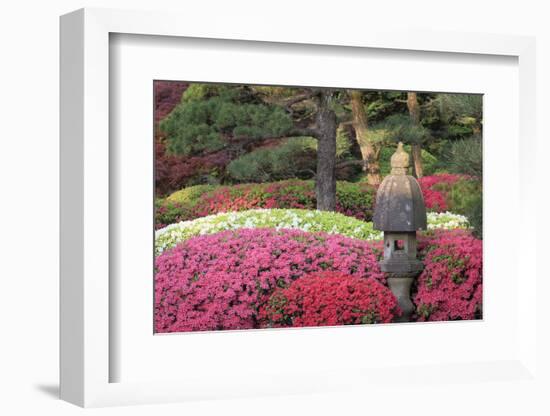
<point x="305" y="220"/>
<point x="353" y="199"/>
<point x="442" y="192"/>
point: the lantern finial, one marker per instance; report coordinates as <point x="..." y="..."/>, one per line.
<point x="399" y="161"/>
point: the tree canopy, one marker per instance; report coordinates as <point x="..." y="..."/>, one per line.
<point x="253" y="127"/>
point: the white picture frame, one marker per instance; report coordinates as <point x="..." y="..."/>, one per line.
<point x="86" y="304"/>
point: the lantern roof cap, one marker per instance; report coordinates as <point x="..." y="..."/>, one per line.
<point x="399" y="202"/>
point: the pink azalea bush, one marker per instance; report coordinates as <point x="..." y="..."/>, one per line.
<point x="224" y="280"/>
<point x="219" y="281"/>
<point x="330" y="298"/>
<point x="450" y="287"/>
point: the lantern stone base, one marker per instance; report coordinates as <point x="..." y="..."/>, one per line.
<point x="400" y="285"/>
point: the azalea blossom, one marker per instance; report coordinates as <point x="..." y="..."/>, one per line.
<point x="295" y="219"/>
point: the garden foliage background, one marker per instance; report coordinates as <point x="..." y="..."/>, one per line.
<point x="246" y="236"/>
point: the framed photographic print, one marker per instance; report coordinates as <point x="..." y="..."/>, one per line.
<point x="262" y="181"/>
<point x="272" y="213"/>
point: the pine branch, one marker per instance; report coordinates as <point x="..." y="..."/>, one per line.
<point x="351" y="163"/>
<point x="303" y="132"/>
<point x="296" y="99"/>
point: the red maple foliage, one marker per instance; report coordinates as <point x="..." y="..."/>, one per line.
<point x="167" y="96"/>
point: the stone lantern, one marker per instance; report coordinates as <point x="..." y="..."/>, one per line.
<point x="400" y="212"/>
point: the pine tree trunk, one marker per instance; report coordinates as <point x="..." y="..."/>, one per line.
<point x="326" y="154"/>
<point x="370" y="152"/>
<point x="416" y="148"/>
<point x="416" y="152"/>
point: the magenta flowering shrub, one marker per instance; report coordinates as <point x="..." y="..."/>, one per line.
<point x="450" y="287"/>
<point x="218" y="281"/>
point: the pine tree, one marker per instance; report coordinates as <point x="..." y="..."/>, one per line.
<point x="212" y="117"/>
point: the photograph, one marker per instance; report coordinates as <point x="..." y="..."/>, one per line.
<point x="290" y="206"/>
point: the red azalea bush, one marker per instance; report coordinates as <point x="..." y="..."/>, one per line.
<point x="437" y="188"/>
<point x="434" y="198"/>
<point x="218" y="281"/>
<point x="450" y="287"/>
<point x="330" y="298"/>
<point x="353" y="199"/>
<point x="284" y="194"/>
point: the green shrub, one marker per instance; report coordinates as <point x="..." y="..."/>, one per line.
<point x="210" y="115"/>
<point x="350" y="196"/>
<point x="189" y="195"/>
<point x="294" y="158"/>
<point x="465" y="197"/>
<point x="474" y="211"/>
<point x="465" y="156"/>
<point x="461" y="195"/>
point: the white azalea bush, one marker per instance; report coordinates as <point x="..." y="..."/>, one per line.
<point x="296" y="219"/>
<point x="300" y="219"/>
<point x="447" y="221"/>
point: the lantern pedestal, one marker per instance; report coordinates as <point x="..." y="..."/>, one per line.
<point x="401" y="267"/>
<point x="400" y="285"/>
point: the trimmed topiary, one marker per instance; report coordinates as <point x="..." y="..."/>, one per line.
<point x="300" y="219"/>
